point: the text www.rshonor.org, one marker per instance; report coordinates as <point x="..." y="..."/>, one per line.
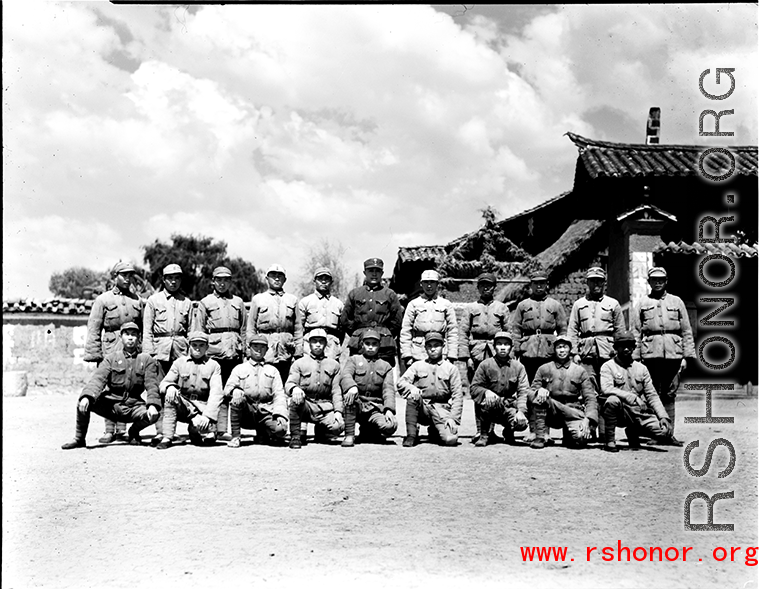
<point x="622" y="553"/>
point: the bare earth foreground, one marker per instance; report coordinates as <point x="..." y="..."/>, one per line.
<point x="369" y="516"/>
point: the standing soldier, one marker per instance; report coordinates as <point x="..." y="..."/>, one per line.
<point x="193" y="393"/>
<point x="481" y="321"/>
<point x="665" y="339"/>
<point x="165" y="324"/>
<point x="432" y="389"/>
<point x="499" y="391"/>
<point x="630" y="399"/>
<point x="222" y="316"/>
<point x="534" y="323"/>
<point x="562" y="396"/>
<point x="321" y="309"/>
<point x="116" y="388"/>
<point x="314" y="391"/>
<point x="109" y="312"/>
<point x="373" y="306"/>
<point x="425" y="314"/>
<point x="369" y="394"/>
<point x="258" y="397"/>
<point x="275" y="314"/>
<point x="594" y="322"/>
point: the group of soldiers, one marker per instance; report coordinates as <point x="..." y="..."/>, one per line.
<point x="286" y="362"/>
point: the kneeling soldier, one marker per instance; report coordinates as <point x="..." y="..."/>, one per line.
<point x="432" y="389"/>
<point x="499" y="390"/>
<point x="314" y="390"/>
<point x="193" y="394"/>
<point x="630" y="399"/>
<point x="562" y="396"/>
<point x="125" y="374"/>
<point x="369" y="388"/>
<point x="258" y="397"/>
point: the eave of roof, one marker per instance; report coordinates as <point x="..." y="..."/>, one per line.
<point x="730" y="249"/>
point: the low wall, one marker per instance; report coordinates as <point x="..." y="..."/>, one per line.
<point x="50" y="355"/>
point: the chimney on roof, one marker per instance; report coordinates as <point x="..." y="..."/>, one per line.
<point x="653" y="127"/>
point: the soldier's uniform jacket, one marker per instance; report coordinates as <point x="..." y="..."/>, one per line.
<point x="424" y="315"/>
<point x="374" y="380"/>
<point x="110" y="311"/>
<point x="480" y="323"/>
<point x="261" y="384"/>
<point x="372" y="308"/>
<point x="506" y="379"/>
<point x="275" y="314"/>
<point x="319" y="379"/>
<point x="568" y="383"/>
<point x="437" y="383"/>
<point x="662" y="328"/>
<point x="317" y="310"/>
<point x="124" y="378"/>
<point x="593" y="325"/>
<point x="631" y="379"/>
<point x="197" y="380"/>
<point x="165" y="325"/>
<point x="222" y="317"/>
<point x="533" y="325"/>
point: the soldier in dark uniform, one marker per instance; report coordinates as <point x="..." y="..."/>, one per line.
<point x="562" y="396"/>
<point x="110" y="311"/>
<point x="368" y="394"/>
<point x="630" y="399"/>
<point x="222" y="316"/>
<point x="116" y="388"/>
<point x="373" y="306"/>
<point x="499" y="391"/>
<point x="665" y="339"/>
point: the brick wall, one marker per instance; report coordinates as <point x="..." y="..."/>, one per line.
<point x="570" y="289"/>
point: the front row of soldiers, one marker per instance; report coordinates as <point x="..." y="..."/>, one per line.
<point x="126" y="388"/>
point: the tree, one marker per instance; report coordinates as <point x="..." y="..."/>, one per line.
<point x="72" y="282"/>
<point x="198" y="256"/>
<point x="330" y="255"/>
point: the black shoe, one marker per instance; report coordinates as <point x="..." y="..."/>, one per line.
<point x="494" y="438"/>
<point x="134" y="441"/>
<point x="156" y="440"/>
<point x="611" y="447"/>
<point x="164" y="444"/>
<point x="481" y="442"/>
<point x="107" y="438"/>
<point x="73" y="444"/>
<point x="348" y="442"/>
<point x="538" y="443"/>
<point x="295" y="443"/>
<point x="224" y="437"/>
<point x="410" y="441"/>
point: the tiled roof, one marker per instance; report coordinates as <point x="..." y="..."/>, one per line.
<point x="420" y="253"/>
<point x="704" y="249"/>
<point x="606" y="159"/>
<point x="58" y="306"/>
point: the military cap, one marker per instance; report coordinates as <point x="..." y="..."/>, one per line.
<point x="562" y="339"/>
<point x="503" y="335"/>
<point x="371" y="334"/>
<point x="258" y="338"/>
<point x="430" y="275"/>
<point x="172" y="269"/>
<point x="276" y="268"/>
<point x="486" y="277"/>
<point x="657" y="272"/>
<point x="318" y="332"/>
<point x="595" y="272"/>
<point x="323" y="271"/>
<point x="626" y="337"/>
<point x="221" y="271"/>
<point x="197" y="336"/>
<point x="538" y="275"/>
<point x="434" y="336"/>
<point x="374" y="263"/>
<point x="129" y="325"/>
<point x="123" y="267"/>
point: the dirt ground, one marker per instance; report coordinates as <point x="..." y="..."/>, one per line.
<point x="382" y="516"/>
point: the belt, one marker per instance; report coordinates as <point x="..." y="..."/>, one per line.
<point x="275" y="330"/>
<point x="171" y="334"/>
<point x="596" y="333"/>
<point x="537" y="331"/>
<point x="195" y="397"/>
<point x="223" y="329"/>
<point x="661" y="331"/>
<point x="482" y="336"/>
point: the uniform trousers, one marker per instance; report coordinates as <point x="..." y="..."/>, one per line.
<point x="636" y="419"/>
<point x="321" y="413"/>
<point x="503" y="412"/>
<point x="251" y="415"/>
<point x="131" y="410"/>
<point x="435" y="415"/>
<point x="553" y="413"/>
<point x="371" y="419"/>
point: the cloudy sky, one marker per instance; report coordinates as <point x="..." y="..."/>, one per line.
<point x="271" y="127"/>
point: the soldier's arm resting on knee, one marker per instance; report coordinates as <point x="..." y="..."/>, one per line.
<point x="215" y="393"/>
<point x="388" y="392"/>
<point x="152" y="393"/>
<point x="481" y="384"/>
<point x="457" y="394"/>
<point x="98" y="381"/>
<point x="589" y="397"/>
<point x="406" y="387"/>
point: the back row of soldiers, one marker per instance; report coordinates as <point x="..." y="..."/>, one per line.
<point x="662" y="335"/>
